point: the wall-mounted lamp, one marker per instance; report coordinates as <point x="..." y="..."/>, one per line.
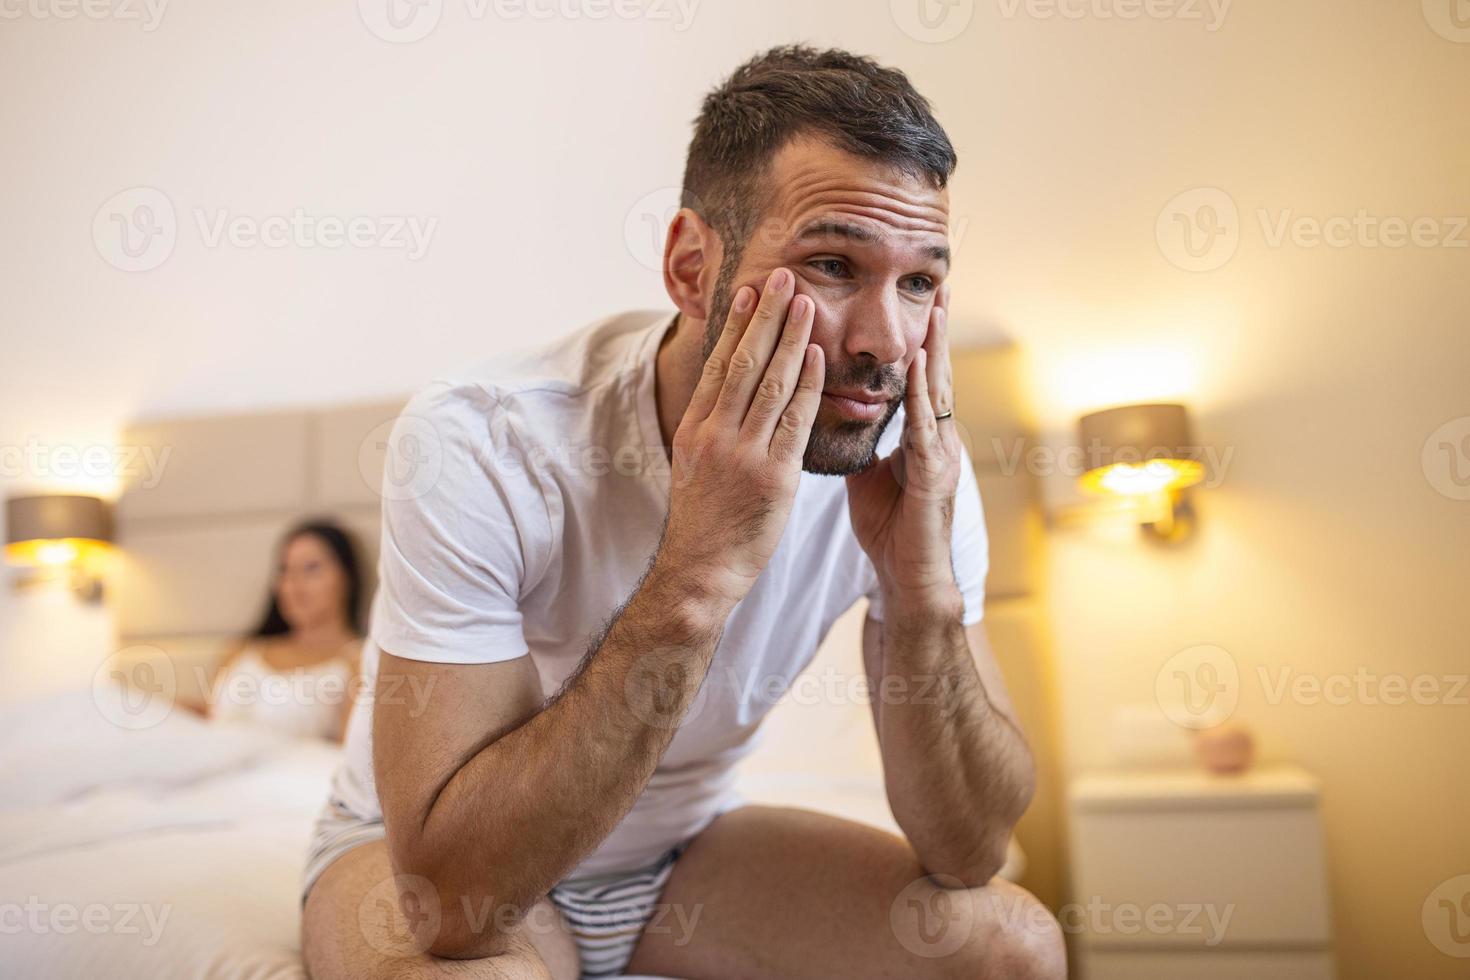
<point x="60" y="531"/>
<point x="1144" y="454"/>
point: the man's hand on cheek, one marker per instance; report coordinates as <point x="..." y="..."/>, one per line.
<point x="738" y="449"/>
<point x="902" y="506"/>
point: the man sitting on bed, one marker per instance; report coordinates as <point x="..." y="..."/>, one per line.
<point x="521" y="802"/>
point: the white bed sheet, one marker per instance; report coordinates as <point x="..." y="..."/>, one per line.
<point x="176" y="850"/>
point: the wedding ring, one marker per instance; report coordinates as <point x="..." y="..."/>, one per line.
<point x="946" y="415"/>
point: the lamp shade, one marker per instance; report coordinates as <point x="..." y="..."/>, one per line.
<point x="55" y="529"/>
<point x="1139" y="449"/>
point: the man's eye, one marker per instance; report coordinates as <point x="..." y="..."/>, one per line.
<point x="836" y="268"/>
<point x="919" y="284"/>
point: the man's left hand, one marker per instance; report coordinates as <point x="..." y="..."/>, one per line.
<point x="902" y="505"/>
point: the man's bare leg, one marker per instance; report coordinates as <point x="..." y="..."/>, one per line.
<point x="353" y="928"/>
<point x="769" y="892"/>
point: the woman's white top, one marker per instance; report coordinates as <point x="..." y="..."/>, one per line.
<point x="302" y="701"/>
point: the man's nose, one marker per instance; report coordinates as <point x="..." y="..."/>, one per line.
<point x="875" y="328"/>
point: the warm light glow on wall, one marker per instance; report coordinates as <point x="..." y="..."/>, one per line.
<point x="52" y="552"/>
<point x="1154" y="476"/>
<point x="1119" y="376"/>
<point x="1168" y="344"/>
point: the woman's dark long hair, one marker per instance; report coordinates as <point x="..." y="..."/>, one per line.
<point x="340" y="543"/>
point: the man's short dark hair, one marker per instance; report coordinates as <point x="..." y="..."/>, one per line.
<point x="850" y="100"/>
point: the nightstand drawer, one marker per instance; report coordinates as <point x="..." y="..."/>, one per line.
<point x="1221" y="878"/>
<point x="1118" y="964"/>
<point x="1181" y="860"/>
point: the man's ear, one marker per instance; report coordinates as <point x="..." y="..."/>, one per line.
<point x="692" y="254"/>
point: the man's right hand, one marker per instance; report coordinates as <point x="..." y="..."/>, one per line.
<point x="738" y="450"/>
<point x="562" y="772"/>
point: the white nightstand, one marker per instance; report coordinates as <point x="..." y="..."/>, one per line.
<point x="1180" y="874"/>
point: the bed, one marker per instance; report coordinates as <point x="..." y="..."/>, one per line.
<point x="167" y="851"/>
<point x="173" y="848"/>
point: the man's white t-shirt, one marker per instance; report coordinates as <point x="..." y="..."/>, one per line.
<point x="522" y="503"/>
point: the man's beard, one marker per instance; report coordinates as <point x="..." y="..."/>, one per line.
<point x="836" y="448"/>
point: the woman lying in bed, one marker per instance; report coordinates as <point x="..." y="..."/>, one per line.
<point x="297" y="672"/>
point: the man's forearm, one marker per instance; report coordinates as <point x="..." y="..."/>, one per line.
<point x="958" y="771"/>
<point x="530" y="805"/>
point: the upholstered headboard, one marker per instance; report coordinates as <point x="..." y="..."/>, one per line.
<point x="196" y="545"/>
<point x="196" y="548"/>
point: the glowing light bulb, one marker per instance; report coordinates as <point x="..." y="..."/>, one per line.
<point x="1143" y="479"/>
<point x="56" y="552"/>
<point x="1130" y="478"/>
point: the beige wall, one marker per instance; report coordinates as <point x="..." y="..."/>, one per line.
<point x="532" y="142"/>
<point x="1326" y="548"/>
